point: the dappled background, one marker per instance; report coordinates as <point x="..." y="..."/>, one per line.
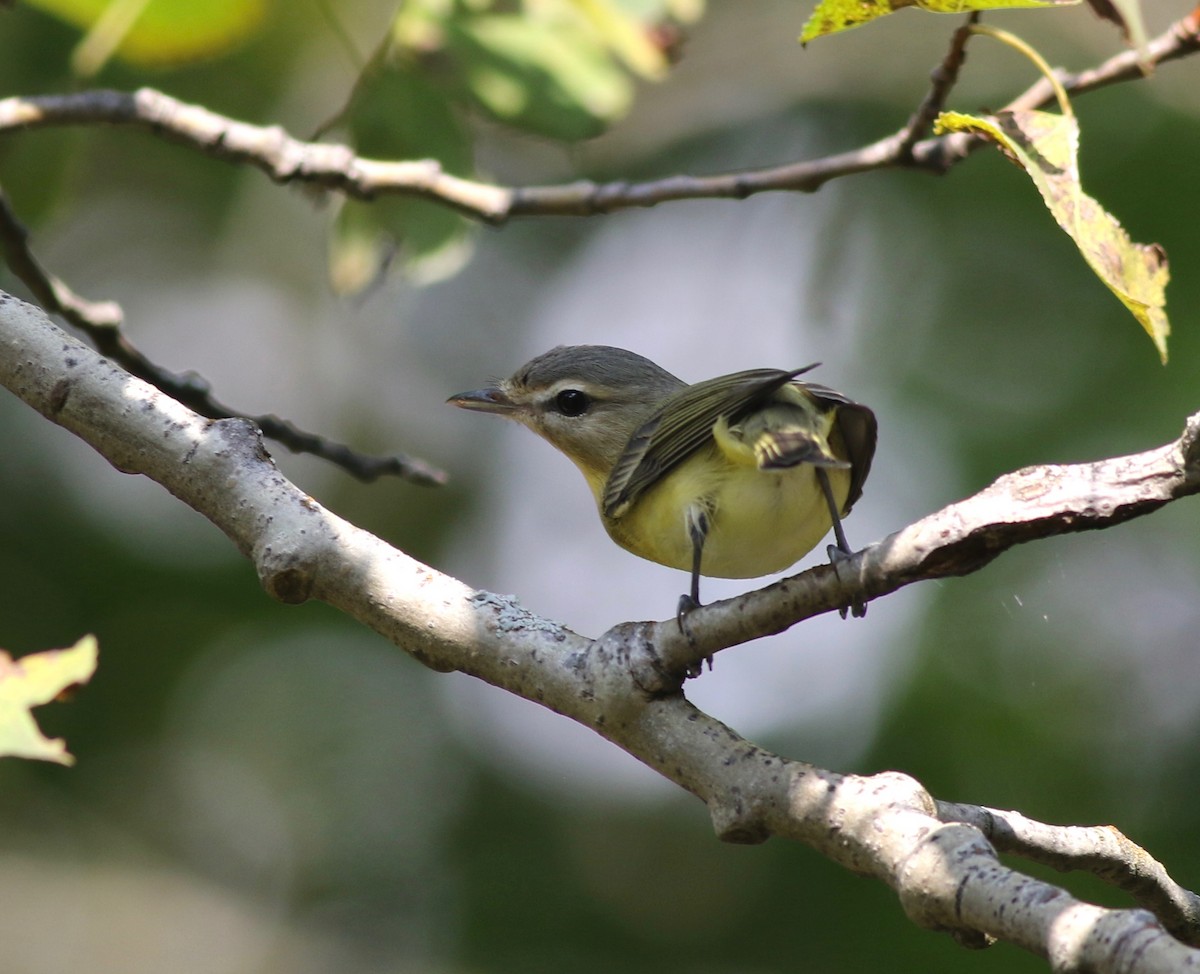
<point x="262" y="788"/>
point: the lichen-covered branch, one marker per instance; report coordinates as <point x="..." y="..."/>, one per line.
<point x="938" y="860"/>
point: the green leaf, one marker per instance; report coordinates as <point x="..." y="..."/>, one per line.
<point x="397" y="114"/>
<point x="1046" y="146"/>
<point x="552" y="78"/>
<point x="832" y="16"/>
<point x="625" y="35"/>
<point x="34" y="680"/>
<point x="558" y="68"/>
<point x="155" y="32"/>
<point x="430" y="242"/>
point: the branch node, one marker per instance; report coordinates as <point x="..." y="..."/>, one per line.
<point x="972" y="939"/>
<point x="638" y="649"/>
<point x="244" y="438"/>
<point x="736" y="821"/>
<point x="932" y="881"/>
<point x="59" y="396"/>
<point x="941" y="80"/>
<point x="291" y="586"/>
<point x="1189" y="442"/>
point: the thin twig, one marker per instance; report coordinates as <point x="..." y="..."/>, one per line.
<point x="336" y="167"/>
<point x="101" y="321"/>
<point x="52" y="293"/>
<point x="941" y="81"/>
<point x="1179" y="40"/>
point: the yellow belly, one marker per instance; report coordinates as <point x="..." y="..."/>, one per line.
<point x="760" y="521"/>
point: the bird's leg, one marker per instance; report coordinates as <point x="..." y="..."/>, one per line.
<point x="697" y="527"/>
<point x="841" y="551"/>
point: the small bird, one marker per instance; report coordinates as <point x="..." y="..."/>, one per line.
<point x="733" y="477"/>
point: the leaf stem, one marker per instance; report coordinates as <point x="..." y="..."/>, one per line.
<point x="1013" y="41"/>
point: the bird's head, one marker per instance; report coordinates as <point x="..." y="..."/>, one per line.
<point x="586" y="400"/>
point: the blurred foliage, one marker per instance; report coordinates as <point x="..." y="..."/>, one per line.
<point x="34" y="680"/>
<point x="558" y="69"/>
<point x="155" y="33"/>
<point x="397" y="114"/>
<point x="296" y="774"/>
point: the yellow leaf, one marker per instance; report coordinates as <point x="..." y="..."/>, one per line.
<point x="155" y="32"/>
<point x="34" y="680"/>
<point x="832" y="16"/>
<point x="1046" y="146"/>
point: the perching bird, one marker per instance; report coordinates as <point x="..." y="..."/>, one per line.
<point x="733" y="477"/>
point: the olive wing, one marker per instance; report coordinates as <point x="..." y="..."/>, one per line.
<point x="681" y="425"/>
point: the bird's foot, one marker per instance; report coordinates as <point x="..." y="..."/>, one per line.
<point x="688" y="605"/>
<point x="838" y="556"/>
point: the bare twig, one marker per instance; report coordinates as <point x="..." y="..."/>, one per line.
<point x="100" y="321"/>
<point x="283" y="158"/>
<point x="335" y="167"/>
<point x="942" y="80"/>
<point x="1101" y="850"/>
<point x="53" y="294"/>
<point x="946" y="874"/>
<point x="1178" y="40"/>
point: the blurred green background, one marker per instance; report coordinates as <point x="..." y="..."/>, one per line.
<point x="262" y="788"/>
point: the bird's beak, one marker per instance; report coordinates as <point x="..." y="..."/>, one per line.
<point x="492" y="400"/>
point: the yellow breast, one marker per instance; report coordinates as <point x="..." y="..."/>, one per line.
<point x="760" y="521"/>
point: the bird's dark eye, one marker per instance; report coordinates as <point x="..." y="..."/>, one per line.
<point x="572" y="402"/>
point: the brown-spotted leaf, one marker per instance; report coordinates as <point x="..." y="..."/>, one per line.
<point x="34" y="680"/>
<point x="1046" y="146"/>
<point x="832" y="16"/>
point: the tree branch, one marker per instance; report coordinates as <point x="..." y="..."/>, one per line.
<point x="1102" y="851"/>
<point x="944" y="871"/>
<point x="101" y="322"/>
<point x="336" y="167"/>
<point x="1027" y="505"/>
